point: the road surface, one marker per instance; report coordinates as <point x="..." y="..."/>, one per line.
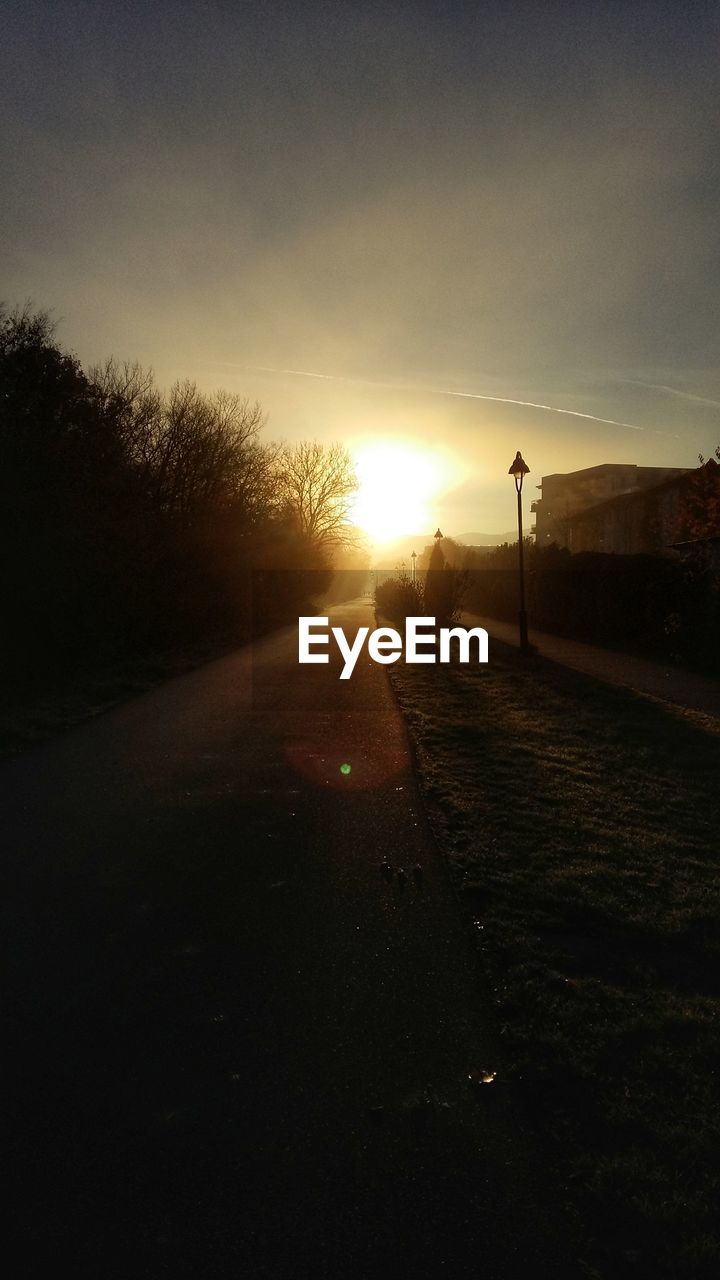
<point x="234" y="1050"/>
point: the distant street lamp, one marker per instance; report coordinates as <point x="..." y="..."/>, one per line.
<point x="413" y="557"/>
<point x="518" y="471"/>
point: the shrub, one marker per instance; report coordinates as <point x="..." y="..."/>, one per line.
<point x="400" y="598"/>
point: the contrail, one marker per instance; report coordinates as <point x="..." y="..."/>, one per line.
<point x="671" y="391"/>
<point x="442" y="391"/>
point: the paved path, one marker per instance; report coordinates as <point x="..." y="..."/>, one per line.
<point x="236" y="1051"/>
<point x="699" y="693"/>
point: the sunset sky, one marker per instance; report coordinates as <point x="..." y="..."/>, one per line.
<point x="422" y="203"/>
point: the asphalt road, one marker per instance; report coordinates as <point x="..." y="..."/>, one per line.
<point x="231" y="1048"/>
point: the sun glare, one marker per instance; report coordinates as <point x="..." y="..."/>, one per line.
<point x="397" y="484"/>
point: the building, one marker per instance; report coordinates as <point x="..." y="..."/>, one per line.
<point x="604" y="508"/>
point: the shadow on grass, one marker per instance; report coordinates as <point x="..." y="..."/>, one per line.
<point x="579" y="821"/>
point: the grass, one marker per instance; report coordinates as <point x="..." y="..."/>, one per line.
<point x="580" y="822"/>
<point x="32" y="716"/>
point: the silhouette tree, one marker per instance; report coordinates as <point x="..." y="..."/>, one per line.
<point x="699" y="513"/>
<point x="49" y="419"/>
<point x="444" y="589"/>
<point x="132" y="519"/>
<point x="315" y="485"/>
<point x="67" y="499"/>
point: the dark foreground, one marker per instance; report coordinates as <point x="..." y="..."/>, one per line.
<point x="234" y="1050"/>
<point x="596" y="894"/>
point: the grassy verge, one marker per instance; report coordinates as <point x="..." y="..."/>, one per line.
<point x="581" y="824"/>
<point x="29" y="717"/>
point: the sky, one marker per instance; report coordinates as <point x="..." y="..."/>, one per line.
<point x="386" y="222"/>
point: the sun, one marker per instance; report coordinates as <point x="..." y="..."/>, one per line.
<point x="397" y="482"/>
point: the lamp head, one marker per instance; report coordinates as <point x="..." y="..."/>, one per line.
<point x="518" y="470"/>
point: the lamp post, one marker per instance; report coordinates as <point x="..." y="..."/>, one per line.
<point x="518" y="471"/>
<point x="413" y="557"/>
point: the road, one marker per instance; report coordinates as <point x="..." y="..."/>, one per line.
<point x="234" y="1049"/>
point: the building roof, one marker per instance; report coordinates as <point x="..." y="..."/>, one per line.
<point x="611" y="466"/>
<point x="631" y="495"/>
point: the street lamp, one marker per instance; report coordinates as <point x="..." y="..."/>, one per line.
<point x="518" y="471"/>
<point x="413" y="557"/>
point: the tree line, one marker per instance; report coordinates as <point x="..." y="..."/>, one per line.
<point x="134" y="519"/>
